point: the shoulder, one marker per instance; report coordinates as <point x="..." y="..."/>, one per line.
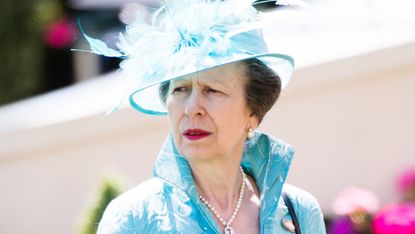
<point x="268" y="141"/>
<point x="307" y="209"/>
<point x="133" y="200"/>
<point x="124" y="213"/>
<point x="300" y="197"/>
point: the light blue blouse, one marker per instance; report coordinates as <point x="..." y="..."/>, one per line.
<point x="169" y="202"/>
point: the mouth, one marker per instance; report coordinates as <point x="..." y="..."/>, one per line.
<point x="196" y="134"/>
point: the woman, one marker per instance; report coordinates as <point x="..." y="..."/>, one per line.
<point x="203" y="64"/>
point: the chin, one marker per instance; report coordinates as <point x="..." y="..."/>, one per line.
<point x="196" y="154"/>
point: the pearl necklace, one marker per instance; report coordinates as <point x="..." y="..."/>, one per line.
<point x="228" y="229"/>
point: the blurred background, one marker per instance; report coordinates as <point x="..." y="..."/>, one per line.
<point x="348" y="112"/>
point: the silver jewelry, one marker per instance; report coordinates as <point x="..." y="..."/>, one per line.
<point x="250" y="133"/>
<point x="227" y="224"/>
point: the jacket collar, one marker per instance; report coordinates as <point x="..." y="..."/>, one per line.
<point x="265" y="158"/>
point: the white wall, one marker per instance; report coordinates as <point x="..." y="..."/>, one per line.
<point x="48" y="175"/>
<point x="351" y="122"/>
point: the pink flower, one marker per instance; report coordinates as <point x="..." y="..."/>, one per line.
<point x="406" y="180"/>
<point x="354" y="199"/>
<point x="393" y="219"/>
<point x="341" y="225"/>
<point x="60" y="34"/>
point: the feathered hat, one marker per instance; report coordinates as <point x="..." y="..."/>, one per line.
<point x="185" y="37"/>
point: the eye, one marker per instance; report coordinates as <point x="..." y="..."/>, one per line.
<point x="179" y="89"/>
<point x="210" y="90"/>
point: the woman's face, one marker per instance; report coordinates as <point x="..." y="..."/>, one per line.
<point x="208" y="113"/>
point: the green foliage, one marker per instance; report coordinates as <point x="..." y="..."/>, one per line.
<point x="19" y="51"/>
<point x="109" y="190"/>
<point x="21" y="48"/>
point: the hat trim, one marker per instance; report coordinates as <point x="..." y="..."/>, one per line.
<point x="159" y="113"/>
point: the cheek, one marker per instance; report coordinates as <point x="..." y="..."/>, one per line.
<point x="231" y="118"/>
<point x="175" y="128"/>
<point x="174" y="115"/>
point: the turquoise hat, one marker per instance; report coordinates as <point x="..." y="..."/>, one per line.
<point x="185" y="37"/>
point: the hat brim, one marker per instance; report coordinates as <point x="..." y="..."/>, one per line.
<point x="147" y="99"/>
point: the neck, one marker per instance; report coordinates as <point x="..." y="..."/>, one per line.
<point x="219" y="184"/>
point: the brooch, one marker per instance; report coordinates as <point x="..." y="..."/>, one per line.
<point x="288" y="225"/>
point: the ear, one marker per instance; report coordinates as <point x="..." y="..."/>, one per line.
<point x="253" y="121"/>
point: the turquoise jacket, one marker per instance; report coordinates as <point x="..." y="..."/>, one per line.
<point x="169" y="202"/>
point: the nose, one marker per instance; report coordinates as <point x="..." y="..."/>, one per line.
<point x="194" y="104"/>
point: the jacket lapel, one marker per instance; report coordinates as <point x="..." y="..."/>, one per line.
<point x="265" y="158"/>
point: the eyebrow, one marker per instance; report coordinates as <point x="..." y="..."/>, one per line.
<point x="210" y="81"/>
<point x="207" y="81"/>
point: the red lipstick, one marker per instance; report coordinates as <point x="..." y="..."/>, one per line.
<point x="196" y="134"/>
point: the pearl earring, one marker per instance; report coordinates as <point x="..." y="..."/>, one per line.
<point x="250" y="133"/>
